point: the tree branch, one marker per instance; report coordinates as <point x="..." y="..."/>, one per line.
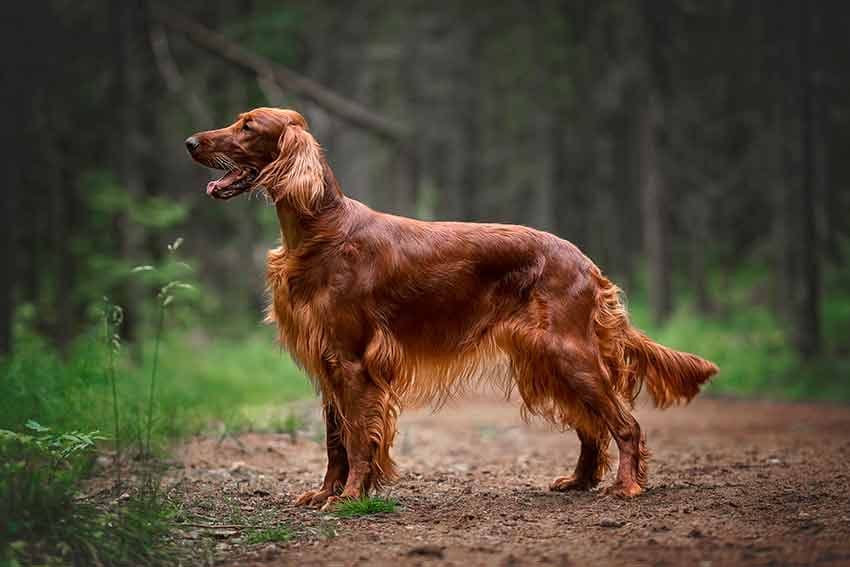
<point x="173" y="78"/>
<point x="334" y="103"/>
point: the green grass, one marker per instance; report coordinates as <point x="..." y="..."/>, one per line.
<point x="269" y="535"/>
<point x="200" y="381"/>
<point x="365" y="507"/>
<point x="223" y="380"/>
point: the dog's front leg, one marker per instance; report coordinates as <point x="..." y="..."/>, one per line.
<point x="369" y="431"/>
<point x="337" y="472"/>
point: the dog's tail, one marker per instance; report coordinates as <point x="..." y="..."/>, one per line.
<point x="632" y="358"/>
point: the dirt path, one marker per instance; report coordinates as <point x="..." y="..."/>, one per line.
<point x="731" y="483"/>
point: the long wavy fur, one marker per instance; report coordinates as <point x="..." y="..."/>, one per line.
<point x="632" y="358"/>
<point x="296" y="176"/>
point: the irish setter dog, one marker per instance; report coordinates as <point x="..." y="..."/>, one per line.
<point x="383" y="311"/>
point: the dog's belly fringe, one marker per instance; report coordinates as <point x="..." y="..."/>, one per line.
<point x="426" y="378"/>
<point x="417" y="380"/>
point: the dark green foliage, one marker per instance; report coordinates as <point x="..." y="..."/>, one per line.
<point x="41" y="472"/>
<point x="749" y="344"/>
<point x="44" y="520"/>
<point x="38" y="471"/>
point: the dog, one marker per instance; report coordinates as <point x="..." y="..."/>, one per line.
<point x="383" y="311"/>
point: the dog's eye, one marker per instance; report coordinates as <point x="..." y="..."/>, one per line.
<point x="246" y="128"/>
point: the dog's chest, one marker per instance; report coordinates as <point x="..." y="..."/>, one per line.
<point x="300" y="330"/>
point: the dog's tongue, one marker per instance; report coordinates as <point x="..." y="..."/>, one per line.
<point x="226" y="180"/>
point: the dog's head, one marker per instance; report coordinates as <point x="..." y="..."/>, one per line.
<point x="267" y="148"/>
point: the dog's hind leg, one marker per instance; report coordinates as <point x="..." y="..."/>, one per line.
<point x="592" y="461"/>
<point x="337" y="472"/>
<point x="600" y="399"/>
<point x="567" y="371"/>
<point x="595" y="391"/>
<point x="631" y="443"/>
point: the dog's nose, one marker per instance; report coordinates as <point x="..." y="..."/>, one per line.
<point x="192" y="143"/>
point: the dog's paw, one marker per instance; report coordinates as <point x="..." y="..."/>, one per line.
<point x="313" y="498"/>
<point x="623" y="490"/>
<point x="330" y="502"/>
<point x="305" y="498"/>
<point x="571" y="482"/>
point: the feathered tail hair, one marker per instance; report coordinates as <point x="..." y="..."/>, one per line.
<point x="632" y="358"/>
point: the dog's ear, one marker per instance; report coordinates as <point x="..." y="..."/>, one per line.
<point x="296" y="175"/>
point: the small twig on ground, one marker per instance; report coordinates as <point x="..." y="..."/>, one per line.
<point x="233" y="437"/>
<point x="215" y="526"/>
<point x="225" y="526"/>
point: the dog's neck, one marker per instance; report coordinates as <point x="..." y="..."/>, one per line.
<point x="291" y="231"/>
<point x="296" y="226"/>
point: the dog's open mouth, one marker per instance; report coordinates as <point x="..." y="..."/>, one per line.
<point x="235" y="181"/>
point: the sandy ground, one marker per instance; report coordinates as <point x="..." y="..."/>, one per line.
<point x="731" y="483"/>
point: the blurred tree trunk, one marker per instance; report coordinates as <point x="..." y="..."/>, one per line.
<point x="543" y="115"/>
<point x="768" y="24"/>
<point x="575" y="200"/>
<point x="826" y="190"/>
<point x="543" y="191"/>
<point x="129" y="26"/>
<point x="353" y="75"/>
<point x="808" y="318"/>
<point x="793" y="146"/>
<point x="8" y="236"/>
<point x="63" y="201"/>
<point x="406" y="156"/>
<point x="557" y="147"/>
<point x="655" y="229"/>
<point x="786" y="217"/>
<point x="653" y="182"/>
<point x="628" y="178"/>
<point x="437" y="54"/>
<point x="406" y="180"/>
<point x="8" y="253"/>
<point x="700" y="237"/>
<point x="21" y="214"/>
<point x="471" y="125"/>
